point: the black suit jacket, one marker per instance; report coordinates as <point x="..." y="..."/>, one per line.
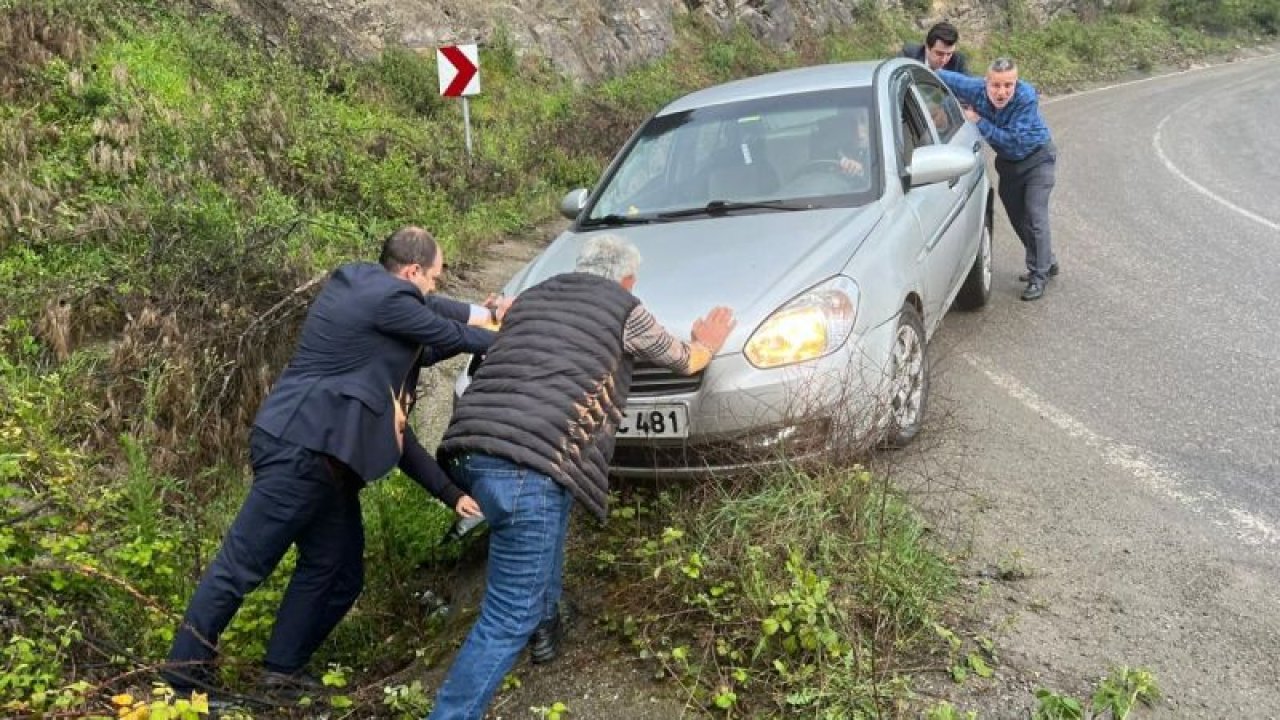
<point x="365" y="339"/>
<point x="955" y="64"/>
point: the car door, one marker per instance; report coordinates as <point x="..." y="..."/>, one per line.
<point x="935" y="206"/>
<point x="955" y="246"/>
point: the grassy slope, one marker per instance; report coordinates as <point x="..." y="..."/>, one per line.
<point x="170" y="191"/>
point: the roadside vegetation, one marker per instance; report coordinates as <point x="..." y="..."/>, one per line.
<point x="173" y="192"/>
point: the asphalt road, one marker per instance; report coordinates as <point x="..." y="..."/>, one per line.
<point x="1121" y="437"/>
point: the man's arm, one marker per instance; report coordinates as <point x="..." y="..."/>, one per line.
<point x="1023" y="131"/>
<point x="969" y="90"/>
<point x="645" y="338"/>
<point x="418" y="464"/>
<point x="404" y="314"/>
<point x="445" y="307"/>
<point x="469" y="313"/>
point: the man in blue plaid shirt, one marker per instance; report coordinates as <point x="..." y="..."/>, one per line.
<point x="1007" y="113"/>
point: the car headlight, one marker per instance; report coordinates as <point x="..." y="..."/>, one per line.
<point x="812" y="325"/>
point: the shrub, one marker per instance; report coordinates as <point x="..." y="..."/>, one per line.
<point x="776" y="592"/>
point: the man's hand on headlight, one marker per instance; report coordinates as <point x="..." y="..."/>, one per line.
<point x="712" y="330"/>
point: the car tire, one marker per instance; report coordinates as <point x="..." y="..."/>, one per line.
<point x="908" y="395"/>
<point x="977" y="284"/>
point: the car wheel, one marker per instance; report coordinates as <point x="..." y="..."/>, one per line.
<point x="909" y="378"/>
<point x="977" y="285"/>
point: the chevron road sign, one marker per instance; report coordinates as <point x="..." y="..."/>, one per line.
<point x="459" y="69"/>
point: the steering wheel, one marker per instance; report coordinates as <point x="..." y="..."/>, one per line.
<point x="820" y="166"/>
<point x="830" y="178"/>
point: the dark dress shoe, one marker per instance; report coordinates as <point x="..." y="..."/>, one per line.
<point x="289" y="688"/>
<point x="544" y="646"/>
<point x="1034" y="291"/>
<point x="1026" y="276"/>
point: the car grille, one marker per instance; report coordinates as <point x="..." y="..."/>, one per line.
<point x="649" y="380"/>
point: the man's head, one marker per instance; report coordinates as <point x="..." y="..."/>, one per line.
<point x="1002" y="81"/>
<point x="412" y="254"/>
<point x="940" y="45"/>
<point x="612" y="257"/>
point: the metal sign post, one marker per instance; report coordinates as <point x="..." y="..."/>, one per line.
<point x="459" y="69"/>
<point x="466" y="123"/>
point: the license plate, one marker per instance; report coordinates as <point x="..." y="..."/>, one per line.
<point x="655" y="421"/>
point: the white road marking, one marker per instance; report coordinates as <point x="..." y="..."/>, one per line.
<point x="1155" y="141"/>
<point x="1247" y="527"/>
<point x="1140" y="81"/>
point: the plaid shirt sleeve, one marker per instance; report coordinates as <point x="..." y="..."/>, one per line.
<point x="646" y="339"/>
<point x="1017" y="130"/>
<point x="968" y="90"/>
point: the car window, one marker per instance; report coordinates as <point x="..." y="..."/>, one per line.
<point x="814" y="147"/>
<point x="650" y="165"/>
<point x="913" y="128"/>
<point x="942" y="108"/>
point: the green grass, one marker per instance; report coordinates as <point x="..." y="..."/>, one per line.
<point x="780" y="590"/>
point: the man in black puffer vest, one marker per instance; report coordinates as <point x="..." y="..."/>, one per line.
<point x="534" y="431"/>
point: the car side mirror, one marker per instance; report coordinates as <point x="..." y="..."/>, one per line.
<point x="573" y="202"/>
<point x="939" y="163"/>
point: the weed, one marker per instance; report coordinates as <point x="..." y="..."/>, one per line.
<point x="1115" y="697"/>
<point x="794" y="581"/>
<point x="555" y="711"/>
<point x="407" y="702"/>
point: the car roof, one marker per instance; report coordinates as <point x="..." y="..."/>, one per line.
<point x="785" y="82"/>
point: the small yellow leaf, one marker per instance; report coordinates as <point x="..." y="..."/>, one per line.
<point x="122" y="699"/>
<point x="200" y="703"/>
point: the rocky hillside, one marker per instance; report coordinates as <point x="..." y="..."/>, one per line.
<point x="588" y="39"/>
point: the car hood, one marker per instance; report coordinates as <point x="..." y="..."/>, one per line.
<point x="752" y="263"/>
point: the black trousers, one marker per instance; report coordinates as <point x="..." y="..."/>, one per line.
<point x="1024" y="190"/>
<point x="298" y="497"/>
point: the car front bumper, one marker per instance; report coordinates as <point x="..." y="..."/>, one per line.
<point x="744" y="418"/>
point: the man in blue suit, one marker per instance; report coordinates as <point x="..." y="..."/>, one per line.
<point x="333" y="422"/>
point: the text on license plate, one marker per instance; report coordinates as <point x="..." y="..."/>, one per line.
<point x="661" y="421"/>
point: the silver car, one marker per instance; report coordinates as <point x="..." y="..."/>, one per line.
<point x="840" y="211"/>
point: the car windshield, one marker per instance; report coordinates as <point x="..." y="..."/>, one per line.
<point x="801" y="151"/>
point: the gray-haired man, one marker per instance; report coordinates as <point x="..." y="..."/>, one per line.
<point x="1007" y="113"/>
<point x="534" y="432"/>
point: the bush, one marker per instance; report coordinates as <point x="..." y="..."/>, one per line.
<point x="776" y="593"/>
<point x="1227" y="15"/>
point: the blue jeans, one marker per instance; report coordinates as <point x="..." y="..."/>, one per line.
<point x="528" y="516"/>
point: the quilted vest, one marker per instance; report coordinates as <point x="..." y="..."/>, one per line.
<point x="550" y="392"/>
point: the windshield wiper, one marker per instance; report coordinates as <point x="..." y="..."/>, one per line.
<point x="724" y="207"/>
<point x="614" y="219"/>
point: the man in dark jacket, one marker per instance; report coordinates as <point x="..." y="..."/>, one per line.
<point x="333" y="421"/>
<point x="939" y="49"/>
<point x="534" y="432"/>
